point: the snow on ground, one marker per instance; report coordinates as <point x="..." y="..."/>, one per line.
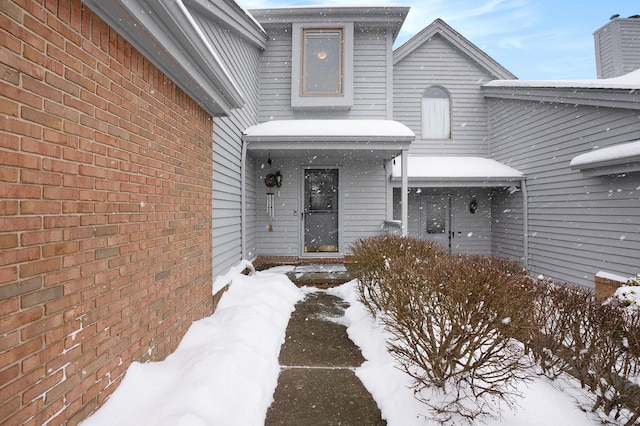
<point x="628" y="295"/>
<point x="225" y="370"/>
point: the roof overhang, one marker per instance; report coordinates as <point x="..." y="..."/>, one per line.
<point x="381" y="138"/>
<point x="390" y="16"/>
<point x="166" y="33"/>
<point x="427" y="171"/>
<point x="623" y="158"/>
<point x="617" y="92"/>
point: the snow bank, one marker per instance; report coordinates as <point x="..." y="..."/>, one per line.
<point x="223" y="372"/>
<point x="629" y="295"/>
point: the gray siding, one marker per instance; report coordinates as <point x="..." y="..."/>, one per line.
<point x="363" y="202"/>
<point x="605" y="53"/>
<point x="617" y="45"/>
<point x="438" y="62"/>
<point x="370" y="78"/>
<point x="507" y="231"/>
<point x="578" y="225"/>
<point x="471" y="232"/>
<point x="630" y="44"/>
<point x="241" y="59"/>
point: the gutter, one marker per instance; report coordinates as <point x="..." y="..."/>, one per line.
<point x="525" y="224"/>
<point x="243" y="196"/>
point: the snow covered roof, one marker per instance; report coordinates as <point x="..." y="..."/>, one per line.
<point x="329" y="131"/>
<point x="629" y="81"/>
<point x="622" y="158"/>
<point x="382" y="139"/>
<point x="457" y="171"/>
<point x="389" y="15"/>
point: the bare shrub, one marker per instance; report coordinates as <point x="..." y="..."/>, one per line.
<point x="555" y="311"/>
<point x="596" y="343"/>
<point x="374" y="256"/>
<point x="457" y="323"/>
<point x="453" y="319"/>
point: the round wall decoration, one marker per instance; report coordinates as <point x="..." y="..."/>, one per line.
<point x="273" y="179"/>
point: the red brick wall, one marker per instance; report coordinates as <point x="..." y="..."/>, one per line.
<point x="105" y="207"/>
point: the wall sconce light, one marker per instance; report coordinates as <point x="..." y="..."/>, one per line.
<point x="473" y="206"/>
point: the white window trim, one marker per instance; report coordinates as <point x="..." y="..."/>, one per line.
<point x="446" y="115"/>
<point x="298" y="101"/>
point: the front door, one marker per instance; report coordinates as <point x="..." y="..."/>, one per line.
<point x="321" y="215"/>
<point x="435" y="218"/>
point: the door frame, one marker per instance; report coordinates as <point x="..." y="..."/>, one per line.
<point x="448" y="218"/>
<point x="303" y="168"/>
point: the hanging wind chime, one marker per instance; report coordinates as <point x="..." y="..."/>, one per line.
<point x="272" y="179"/>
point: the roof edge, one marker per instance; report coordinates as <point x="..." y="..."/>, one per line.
<point x="458" y="40"/>
<point x="390" y="15"/>
<point x="165" y="32"/>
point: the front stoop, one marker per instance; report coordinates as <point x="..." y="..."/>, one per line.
<point x="317" y="384"/>
<point x="322" y="275"/>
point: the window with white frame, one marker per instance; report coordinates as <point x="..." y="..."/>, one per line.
<point x="322" y="66"/>
<point x="436" y="114"/>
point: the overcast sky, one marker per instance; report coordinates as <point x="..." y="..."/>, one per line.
<point x="534" y="39"/>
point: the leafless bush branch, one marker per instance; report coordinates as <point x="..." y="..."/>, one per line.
<point x="454" y="320"/>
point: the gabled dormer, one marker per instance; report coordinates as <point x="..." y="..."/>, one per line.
<point x="332" y="62"/>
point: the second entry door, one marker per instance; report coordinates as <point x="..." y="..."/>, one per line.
<point x="321" y="211"/>
<point x="435" y="218"/>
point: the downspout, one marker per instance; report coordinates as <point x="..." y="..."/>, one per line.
<point x="243" y="227"/>
<point x="525" y="224"/>
<point x="404" y="195"/>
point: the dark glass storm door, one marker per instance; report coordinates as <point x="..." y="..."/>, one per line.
<point x="321" y="214"/>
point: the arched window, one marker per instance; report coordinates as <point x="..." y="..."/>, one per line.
<point x="436" y="114"/>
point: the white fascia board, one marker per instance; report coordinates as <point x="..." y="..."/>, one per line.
<point x="164" y="32"/>
<point x="602" y="97"/>
<point x="457" y="183"/>
<point x="232" y="15"/>
<point x="391" y="16"/>
<point x="617" y="159"/>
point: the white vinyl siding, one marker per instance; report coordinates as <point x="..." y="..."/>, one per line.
<point x="578" y="225"/>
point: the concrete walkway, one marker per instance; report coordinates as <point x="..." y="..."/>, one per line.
<point x="317" y="384"/>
